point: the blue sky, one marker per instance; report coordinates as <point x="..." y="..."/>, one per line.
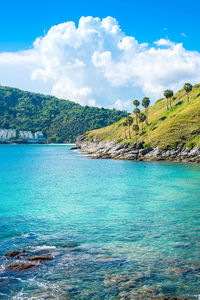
<point x="148" y="20"/>
<point x="127" y="49"/>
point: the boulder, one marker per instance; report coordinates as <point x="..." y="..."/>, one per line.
<point x="74" y="148"/>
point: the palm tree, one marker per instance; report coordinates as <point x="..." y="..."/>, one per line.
<point x="187" y="87"/>
<point x="142" y="118"/>
<point x="168" y="94"/>
<point x="136" y="129"/>
<point x="125" y="124"/>
<point x="136" y="112"/>
<point x="145" y="103"/>
<point x="129" y="121"/>
<point x="136" y="102"/>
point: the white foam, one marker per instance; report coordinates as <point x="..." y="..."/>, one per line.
<point x="44" y="248"/>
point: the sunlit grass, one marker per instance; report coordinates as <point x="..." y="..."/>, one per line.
<point x="178" y="126"/>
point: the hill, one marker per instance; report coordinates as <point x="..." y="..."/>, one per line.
<point x="167" y="129"/>
<point x="59" y="120"/>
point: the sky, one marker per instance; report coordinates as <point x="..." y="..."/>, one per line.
<point x="103" y="53"/>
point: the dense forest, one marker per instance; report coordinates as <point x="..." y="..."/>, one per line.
<point x="59" y="120"/>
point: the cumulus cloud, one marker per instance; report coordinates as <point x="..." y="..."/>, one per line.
<point x="96" y="63"/>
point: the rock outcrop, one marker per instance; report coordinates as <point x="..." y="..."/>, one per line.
<point x="111" y="149"/>
<point x="25" y="260"/>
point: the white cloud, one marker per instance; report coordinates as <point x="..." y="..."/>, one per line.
<point x="183" y="34"/>
<point x="122" y="105"/>
<point x="95" y="63"/>
<point x="164" y="42"/>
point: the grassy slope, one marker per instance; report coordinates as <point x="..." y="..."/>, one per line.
<point x="167" y="129"/>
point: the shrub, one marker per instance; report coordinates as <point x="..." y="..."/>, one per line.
<point x="145" y="145"/>
<point x="119" y="140"/>
<point x="190" y="145"/>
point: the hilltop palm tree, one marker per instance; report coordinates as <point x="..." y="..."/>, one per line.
<point x="136" y="102"/>
<point x="129" y="121"/>
<point x="187" y="87"/>
<point x="125" y="124"/>
<point x="136" y="112"/>
<point x="168" y="94"/>
<point x="136" y="129"/>
<point x="145" y="103"/>
<point x="142" y="118"/>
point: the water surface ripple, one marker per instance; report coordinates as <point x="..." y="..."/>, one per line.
<point x="116" y="229"/>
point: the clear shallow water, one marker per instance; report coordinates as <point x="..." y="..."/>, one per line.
<point x="116" y="229"/>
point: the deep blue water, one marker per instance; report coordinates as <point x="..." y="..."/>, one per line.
<point x="116" y="229"/>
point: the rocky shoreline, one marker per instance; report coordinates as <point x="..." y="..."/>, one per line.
<point x="111" y="149"/>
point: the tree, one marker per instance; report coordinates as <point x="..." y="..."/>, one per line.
<point x="136" y="129"/>
<point x="168" y="94"/>
<point x="136" y="102"/>
<point x="145" y="103"/>
<point x="129" y="121"/>
<point x="125" y="124"/>
<point x="187" y="87"/>
<point x="142" y="118"/>
<point x="136" y="112"/>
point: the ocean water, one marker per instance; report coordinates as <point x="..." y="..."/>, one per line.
<point x="116" y="229"/>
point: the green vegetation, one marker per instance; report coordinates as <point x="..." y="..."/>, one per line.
<point x="59" y="120"/>
<point x="166" y="128"/>
<point x="136" y="110"/>
<point x="136" y="129"/>
<point x="187" y="87"/>
<point x="168" y="95"/>
<point x="145" y="104"/>
<point x="129" y="121"/>
<point x="142" y="118"/>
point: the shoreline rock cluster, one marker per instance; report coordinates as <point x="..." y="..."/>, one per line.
<point x="24" y="261"/>
<point x="124" y="151"/>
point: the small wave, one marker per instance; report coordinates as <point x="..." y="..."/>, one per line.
<point x="44" y="247"/>
<point x="26" y="235"/>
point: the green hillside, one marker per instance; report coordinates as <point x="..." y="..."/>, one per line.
<point x="167" y="129"/>
<point x="59" y="120"/>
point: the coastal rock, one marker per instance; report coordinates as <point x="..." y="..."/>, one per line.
<point x="111" y="149"/>
<point x="25" y="261"/>
<point x="22" y="266"/>
<point x="39" y="258"/>
<point x="170" y="298"/>
<point x="15" y="253"/>
<point x="74" y="148"/>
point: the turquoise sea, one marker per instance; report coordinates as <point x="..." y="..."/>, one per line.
<point x="116" y="229"/>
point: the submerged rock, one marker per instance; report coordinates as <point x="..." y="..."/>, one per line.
<point x="22" y="266"/>
<point x="39" y="258"/>
<point x="171" y="298"/>
<point x="106" y="259"/>
<point x="15" y="253"/>
<point x="184" y="270"/>
<point x="25" y="261"/>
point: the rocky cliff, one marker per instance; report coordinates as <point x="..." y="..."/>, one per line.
<point x="111" y="149"/>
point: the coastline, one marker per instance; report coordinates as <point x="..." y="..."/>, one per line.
<point x="37" y="144"/>
<point x="124" y="151"/>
